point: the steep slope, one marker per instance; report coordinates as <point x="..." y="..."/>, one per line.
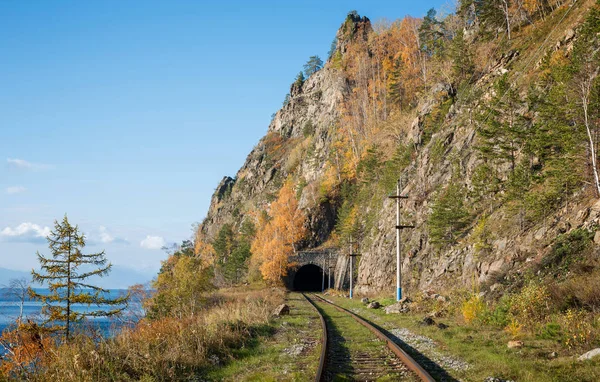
<point x="344" y="142"/>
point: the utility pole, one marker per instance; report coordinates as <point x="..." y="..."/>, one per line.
<point x="323" y="282"/>
<point x="352" y="256"/>
<point x="329" y="269"/>
<point x="399" y="227"/>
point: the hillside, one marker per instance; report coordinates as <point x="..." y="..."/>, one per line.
<point x="473" y="123"/>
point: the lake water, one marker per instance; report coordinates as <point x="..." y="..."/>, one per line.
<point x="10" y="308"/>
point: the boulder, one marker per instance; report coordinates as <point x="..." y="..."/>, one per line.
<point x="397" y="308"/>
<point x="515" y="344"/>
<point x="364" y="300"/>
<point x="428" y="321"/>
<point x="597" y="237"/>
<point x="281" y="310"/>
<point x="589" y="355"/>
<point x="373" y="305"/>
<point x="442" y="326"/>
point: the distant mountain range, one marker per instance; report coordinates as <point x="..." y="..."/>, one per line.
<point x="119" y="277"/>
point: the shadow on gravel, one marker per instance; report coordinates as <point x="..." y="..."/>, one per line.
<point x="427" y="363"/>
<point x="338" y="362"/>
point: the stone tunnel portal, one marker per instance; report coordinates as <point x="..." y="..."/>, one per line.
<point x="309" y="278"/>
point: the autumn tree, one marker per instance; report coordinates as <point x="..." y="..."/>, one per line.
<point x="24" y="348"/>
<point x="278" y="234"/>
<point x="181" y="283"/>
<point x="66" y="273"/>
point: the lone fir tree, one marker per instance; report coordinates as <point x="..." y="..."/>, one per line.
<point x="66" y="273"/>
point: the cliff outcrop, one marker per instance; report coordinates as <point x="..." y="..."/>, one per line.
<point x="430" y="141"/>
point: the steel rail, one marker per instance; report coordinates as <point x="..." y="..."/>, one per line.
<point x="319" y="376"/>
<point x="397" y="350"/>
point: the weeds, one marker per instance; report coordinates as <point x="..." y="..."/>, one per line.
<point x="168" y="348"/>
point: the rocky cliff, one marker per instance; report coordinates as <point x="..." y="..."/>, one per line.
<point x="439" y="133"/>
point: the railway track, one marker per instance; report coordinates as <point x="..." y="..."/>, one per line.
<point x="355" y="350"/>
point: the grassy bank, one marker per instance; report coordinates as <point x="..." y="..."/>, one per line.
<point x="475" y="351"/>
<point x="164" y="349"/>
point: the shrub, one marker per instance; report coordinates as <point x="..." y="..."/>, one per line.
<point x="530" y="306"/>
<point x="579" y="292"/>
<point x="473" y="308"/>
<point x="513" y="328"/>
<point x="578" y="330"/>
<point x="567" y="248"/>
<point x="308" y="129"/>
<point x="169" y="348"/>
<point x="499" y="316"/>
<point x="551" y="331"/>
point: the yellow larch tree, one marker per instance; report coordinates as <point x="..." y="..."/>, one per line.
<point x="277" y="235"/>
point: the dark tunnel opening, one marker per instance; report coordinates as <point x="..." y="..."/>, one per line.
<point x="309" y="278"/>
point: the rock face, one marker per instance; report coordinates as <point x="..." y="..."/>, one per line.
<point x="311" y="111"/>
<point x="299" y="142"/>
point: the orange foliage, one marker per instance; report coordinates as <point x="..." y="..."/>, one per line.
<point x="204" y="251"/>
<point x="386" y="72"/>
<point x="26" y="346"/>
<point x="277" y="233"/>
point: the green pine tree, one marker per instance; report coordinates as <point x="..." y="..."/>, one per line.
<point x="313" y="65"/>
<point x="449" y="216"/>
<point x="502" y="129"/>
<point x="66" y="273"/>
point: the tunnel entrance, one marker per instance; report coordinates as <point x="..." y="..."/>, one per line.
<point x="309" y="278"/>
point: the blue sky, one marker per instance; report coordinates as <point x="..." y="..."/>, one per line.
<point x="126" y="115"/>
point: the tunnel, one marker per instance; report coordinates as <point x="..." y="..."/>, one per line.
<point x="309" y="278"/>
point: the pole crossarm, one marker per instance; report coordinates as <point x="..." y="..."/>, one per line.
<point x="402" y="226"/>
<point x="398" y="196"/>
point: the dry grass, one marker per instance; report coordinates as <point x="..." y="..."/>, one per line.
<point x="166" y="349"/>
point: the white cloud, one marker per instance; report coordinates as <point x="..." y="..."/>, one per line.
<point x="15" y="190"/>
<point x="25" y="165"/>
<point x="105" y="236"/>
<point x="26" y="232"/>
<point x="153" y="242"/>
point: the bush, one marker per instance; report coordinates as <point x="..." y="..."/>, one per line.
<point x="513" y="328"/>
<point x="567" y="249"/>
<point x="578" y="330"/>
<point x="531" y="306"/>
<point x="579" y="292"/>
<point x="499" y="316"/>
<point x="473" y="308"/>
<point x="308" y="129"/>
<point x="169" y="348"/>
